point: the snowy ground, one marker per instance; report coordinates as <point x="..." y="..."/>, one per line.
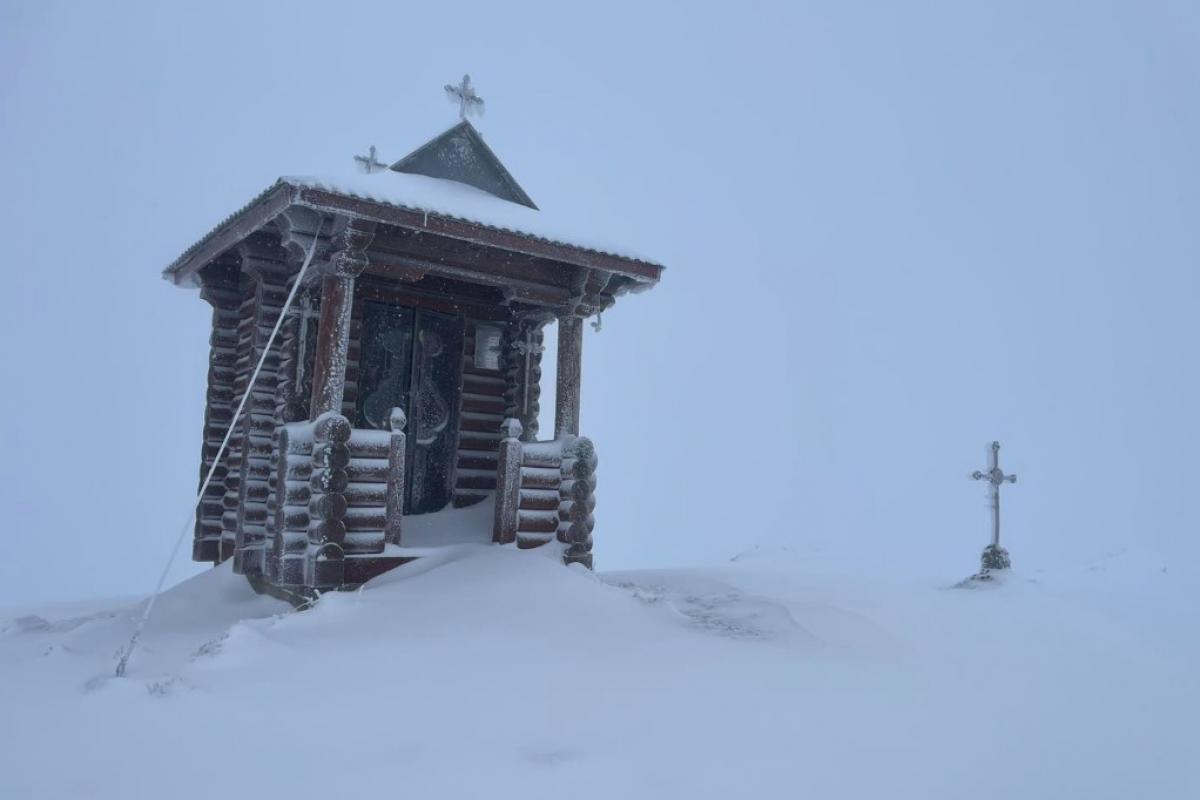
<point x="500" y="673"/>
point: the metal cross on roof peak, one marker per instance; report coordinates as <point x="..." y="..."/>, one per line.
<point x="369" y="163"/>
<point x="464" y="94"/>
<point x="994" y="476"/>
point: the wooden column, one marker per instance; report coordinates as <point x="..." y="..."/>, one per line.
<point x="397" y="453"/>
<point x="508" y="483"/>
<point x="333" y="344"/>
<point x="292" y="397"/>
<point x="337" y="301"/>
<point x="570" y="354"/>
<point x="522" y="363"/>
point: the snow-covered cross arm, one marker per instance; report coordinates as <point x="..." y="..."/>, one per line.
<point x="464" y="94"/>
<point x="369" y="163"/>
<point x="995" y="476"/>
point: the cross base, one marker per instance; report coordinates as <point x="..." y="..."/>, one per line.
<point x="994" y="557"/>
<point x="992" y="565"/>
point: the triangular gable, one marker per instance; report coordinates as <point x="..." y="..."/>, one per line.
<point x="460" y="155"/>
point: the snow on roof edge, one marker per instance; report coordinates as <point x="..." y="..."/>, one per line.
<point x="346" y="188"/>
<point x="446" y="199"/>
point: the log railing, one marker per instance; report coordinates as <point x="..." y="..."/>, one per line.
<point x="336" y="492"/>
<point x="545" y="491"/>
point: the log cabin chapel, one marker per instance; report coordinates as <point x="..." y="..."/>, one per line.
<point x="396" y="409"/>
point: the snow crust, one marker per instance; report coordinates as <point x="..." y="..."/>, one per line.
<point x="448" y="198"/>
<point x="491" y="672"/>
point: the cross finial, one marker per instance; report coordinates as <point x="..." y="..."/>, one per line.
<point x="369" y="163"/>
<point x="464" y="94"/>
<point x="994" y="475"/>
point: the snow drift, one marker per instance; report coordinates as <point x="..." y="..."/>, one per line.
<point x="494" y="672"/>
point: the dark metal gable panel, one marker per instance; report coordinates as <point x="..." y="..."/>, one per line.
<point x="460" y="154"/>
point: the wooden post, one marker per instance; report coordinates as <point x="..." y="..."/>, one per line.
<point x="397" y="451"/>
<point x="508" y="483"/>
<point x="570" y="354"/>
<point x="337" y="301"/>
<point x="523" y="374"/>
<point x="333" y="344"/>
<point x="291" y="401"/>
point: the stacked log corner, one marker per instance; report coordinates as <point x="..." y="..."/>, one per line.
<point x="546" y="491"/>
<point x="293" y="465"/>
<point x="224" y="298"/>
<point x="577" y="495"/>
<point x="337" y="493"/>
<point x="264" y="279"/>
<point x="324" y="557"/>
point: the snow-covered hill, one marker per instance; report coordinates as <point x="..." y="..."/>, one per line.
<point x="498" y="673"/>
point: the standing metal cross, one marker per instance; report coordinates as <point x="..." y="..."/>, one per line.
<point x="464" y="94"/>
<point x="995" y="476"/>
<point x="369" y="162"/>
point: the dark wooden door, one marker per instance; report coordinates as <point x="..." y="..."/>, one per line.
<point x="412" y="358"/>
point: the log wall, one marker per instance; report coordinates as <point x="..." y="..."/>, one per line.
<point x="233" y="454"/>
<point x="246" y="502"/>
<point x="292" y="470"/>
<point x="225" y="299"/>
<point x="483" y="405"/>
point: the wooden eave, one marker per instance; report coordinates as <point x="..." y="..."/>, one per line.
<point x="277" y="199"/>
<point x="236" y="227"/>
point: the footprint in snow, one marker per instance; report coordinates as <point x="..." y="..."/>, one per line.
<point x="32" y="623"/>
<point x="728" y="613"/>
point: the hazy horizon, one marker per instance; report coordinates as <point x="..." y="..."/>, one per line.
<point x="892" y="234"/>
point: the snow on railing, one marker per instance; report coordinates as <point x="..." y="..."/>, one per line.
<point x="338" y="492"/>
<point x="546" y="491"/>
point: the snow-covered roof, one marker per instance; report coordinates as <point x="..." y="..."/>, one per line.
<point x="436" y="198"/>
<point x="456" y="200"/>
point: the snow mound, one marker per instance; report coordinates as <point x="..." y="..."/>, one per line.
<point x="491" y="671"/>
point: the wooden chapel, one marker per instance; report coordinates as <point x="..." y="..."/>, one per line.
<point x="396" y="409"/>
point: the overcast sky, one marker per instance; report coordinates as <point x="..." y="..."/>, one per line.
<point x="893" y="232"/>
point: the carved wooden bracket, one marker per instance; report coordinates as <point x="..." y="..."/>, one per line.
<point x="297" y="227"/>
<point x="261" y="253"/>
<point x="351" y="238"/>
